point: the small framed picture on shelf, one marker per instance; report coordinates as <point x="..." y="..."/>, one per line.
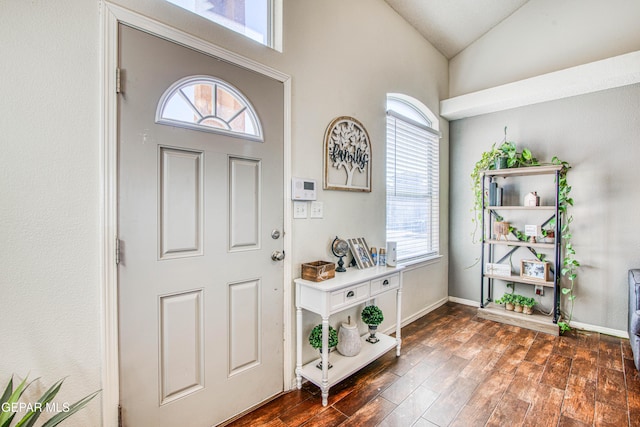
<point x="360" y="252"/>
<point x="534" y="269"/>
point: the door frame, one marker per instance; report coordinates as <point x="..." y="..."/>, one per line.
<point x="110" y="16"/>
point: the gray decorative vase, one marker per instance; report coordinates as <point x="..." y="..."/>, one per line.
<point x="349" y="343"/>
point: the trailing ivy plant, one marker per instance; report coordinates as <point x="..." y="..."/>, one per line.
<point x="524" y="158"/>
<point x="514" y="159"/>
<point x="569" y="262"/>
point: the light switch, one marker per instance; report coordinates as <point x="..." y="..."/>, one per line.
<point x="299" y="210"/>
<point x="317" y="209"/>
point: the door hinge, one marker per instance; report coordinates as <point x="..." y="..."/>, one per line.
<point x="117" y="80"/>
<point x="119" y="415"/>
<point x="117" y="251"/>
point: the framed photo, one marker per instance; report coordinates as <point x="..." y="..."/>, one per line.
<point x="534" y="269"/>
<point x="347" y="156"/>
<point x="360" y="252"/>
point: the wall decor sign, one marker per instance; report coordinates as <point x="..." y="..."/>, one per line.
<point x="347" y="156"/>
<point x="360" y="252"/>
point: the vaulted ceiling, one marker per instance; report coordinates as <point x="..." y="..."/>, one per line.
<point x="452" y="25"/>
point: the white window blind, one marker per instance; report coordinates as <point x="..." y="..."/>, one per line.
<point x="413" y="198"/>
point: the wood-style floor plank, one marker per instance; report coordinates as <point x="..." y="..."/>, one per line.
<point x="459" y="370"/>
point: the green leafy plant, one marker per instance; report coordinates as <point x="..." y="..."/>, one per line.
<point x="315" y="337"/>
<point x="569" y="262"/>
<point x="372" y="315"/>
<point x="528" y="301"/>
<point x="10" y="406"/>
<point x="506" y="299"/>
<point x="487" y="161"/>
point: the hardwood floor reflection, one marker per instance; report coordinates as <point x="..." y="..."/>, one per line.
<point x="459" y="370"/>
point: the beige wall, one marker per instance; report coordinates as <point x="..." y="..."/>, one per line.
<point x="343" y="58"/>
<point x="50" y="196"/>
<point x="545" y="36"/>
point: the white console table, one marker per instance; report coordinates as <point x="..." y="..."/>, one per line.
<point x="346" y="290"/>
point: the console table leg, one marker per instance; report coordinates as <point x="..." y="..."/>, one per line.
<point x="325" y="360"/>
<point x="299" y="347"/>
<point x="398" y="321"/>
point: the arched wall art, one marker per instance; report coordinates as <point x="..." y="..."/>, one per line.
<point x="347" y="156"/>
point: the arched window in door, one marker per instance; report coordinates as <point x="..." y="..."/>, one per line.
<point x="209" y="104"/>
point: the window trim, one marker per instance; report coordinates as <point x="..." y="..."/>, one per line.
<point x="429" y="118"/>
<point x="174" y="90"/>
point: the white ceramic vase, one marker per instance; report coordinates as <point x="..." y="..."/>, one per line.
<point x="349" y="343"/>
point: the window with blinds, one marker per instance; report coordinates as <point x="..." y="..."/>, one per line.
<point x="413" y="199"/>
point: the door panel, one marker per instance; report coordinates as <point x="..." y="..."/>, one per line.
<point x="181" y="207"/>
<point x="181" y="345"/>
<point x="244" y="204"/>
<point x="200" y="300"/>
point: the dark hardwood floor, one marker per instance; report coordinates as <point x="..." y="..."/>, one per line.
<point x="459" y="370"/>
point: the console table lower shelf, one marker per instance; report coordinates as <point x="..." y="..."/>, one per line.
<point x="536" y="322"/>
<point x="344" y="366"/>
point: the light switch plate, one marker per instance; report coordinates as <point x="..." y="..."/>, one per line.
<point x="317" y="209"/>
<point x="299" y="210"/>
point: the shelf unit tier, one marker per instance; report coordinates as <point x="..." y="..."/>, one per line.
<point x="528" y="171"/>
<point x="536" y="321"/>
<point x="522" y="208"/>
<point x="345" y="366"/>
<point x="521" y="243"/>
<point x="520" y="279"/>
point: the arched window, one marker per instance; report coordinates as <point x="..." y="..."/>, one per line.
<point x="413" y="179"/>
<point x="208" y="104"/>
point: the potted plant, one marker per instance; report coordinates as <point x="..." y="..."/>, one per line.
<point x="9" y="404"/>
<point x="527" y="305"/>
<point x="507" y="300"/>
<point x="518" y="303"/>
<point x="315" y="339"/>
<point x="372" y="316"/>
<point x="496" y="158"/>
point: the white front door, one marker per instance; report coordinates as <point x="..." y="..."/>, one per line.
<point x="200" y="298"/>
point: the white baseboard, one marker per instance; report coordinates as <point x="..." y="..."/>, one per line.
<point x="601" y="329"/>
<point x="424" y="311"/>
<point x="577" y="325"/>
<point x="463" y="301"/>
<point x="417" y="315"/>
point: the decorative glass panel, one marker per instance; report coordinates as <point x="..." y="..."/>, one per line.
<point x="211" y="105"/>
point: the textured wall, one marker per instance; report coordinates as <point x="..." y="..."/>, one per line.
<point x="545" y="36"/>
<point x="49" y="213"/>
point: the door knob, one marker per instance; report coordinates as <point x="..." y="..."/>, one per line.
<point x="277" y="255"/>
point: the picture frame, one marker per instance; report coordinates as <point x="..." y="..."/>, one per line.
<point x="360" y="252"/>
<point x="347" y="156"/>
<point x="534" y="269"/>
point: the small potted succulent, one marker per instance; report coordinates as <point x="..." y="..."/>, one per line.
<point x="527" y="305"/>
<point x="315" y="339"/>
<point x="518" y="303"/>
<point x="372" y="316"/>
<point x="508" y="301"/>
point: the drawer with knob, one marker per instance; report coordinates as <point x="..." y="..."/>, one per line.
<point x="349" y="295"/>
<point x="385" y="283"/>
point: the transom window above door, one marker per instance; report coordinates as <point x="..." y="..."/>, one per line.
<point x="209" y="104"/>
<point x="251" y="18"/>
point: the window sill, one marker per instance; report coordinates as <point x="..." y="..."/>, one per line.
<point x="420" y="262"/>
